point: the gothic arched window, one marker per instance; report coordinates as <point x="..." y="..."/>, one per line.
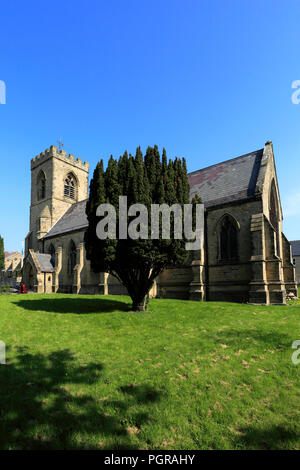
<point x="274" y="216"/>
<point x="70" y="186"/>
<point x="273" y="209"/>
<point x="41" y="186"/>
<point x="51" y="252"/>
<point x="72" y="257"/>
<point x="228" y="244"/>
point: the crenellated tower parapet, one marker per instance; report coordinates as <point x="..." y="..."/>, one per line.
<point x="62" y="155"/>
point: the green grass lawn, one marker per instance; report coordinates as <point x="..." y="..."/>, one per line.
<point x="83" y="372"/>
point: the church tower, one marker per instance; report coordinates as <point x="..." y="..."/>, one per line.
<point x="57" y="182"/>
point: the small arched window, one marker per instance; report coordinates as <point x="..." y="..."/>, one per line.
<point x="70" y="186"/>
<point x="228" y="244"/>
<point x="51" y="252"/>
<point x="72" y="257"/>
<point x="41" y="186"/>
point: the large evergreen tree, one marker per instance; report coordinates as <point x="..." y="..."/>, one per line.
<point x="145" y="180"/>
<point x="1" y="253"/>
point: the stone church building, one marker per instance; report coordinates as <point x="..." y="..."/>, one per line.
<point x="246" y="257"/>
<point x="10" y="274"/>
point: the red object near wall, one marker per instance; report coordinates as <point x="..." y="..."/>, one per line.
<point x="23" y="289"/>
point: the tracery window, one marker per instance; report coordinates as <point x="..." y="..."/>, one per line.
<point x="228" y="243"/>
<point x="70" y="186"/>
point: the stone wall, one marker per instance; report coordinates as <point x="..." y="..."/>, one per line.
<point x="82" y="280"/>
<point x="229" y="280"/>
<point x="12" y="266"/>
<point x="297" y="268"/>
<point x="289" y="272"/>
<point x="174" y="283"/>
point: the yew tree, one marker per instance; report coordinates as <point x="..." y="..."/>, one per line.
<point x="145" y="179"/>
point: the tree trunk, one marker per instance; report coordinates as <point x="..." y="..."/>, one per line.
<point x="140" y="304"/>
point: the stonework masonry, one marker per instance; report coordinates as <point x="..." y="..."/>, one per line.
<point x="55" y="166"/>
<point x="246" y="257"/>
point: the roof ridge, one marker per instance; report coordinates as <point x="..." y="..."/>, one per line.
<point x="79" y="202"/>
<point x="226" y="161"/>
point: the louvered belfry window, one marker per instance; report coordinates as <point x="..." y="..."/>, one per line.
<point x="70" y="187"/>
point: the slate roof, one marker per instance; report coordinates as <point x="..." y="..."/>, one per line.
<point x="73" y="219"/>
<point x="228" y="181"/>
<point x="295" y="247"/>
<point x="44" y="262"/>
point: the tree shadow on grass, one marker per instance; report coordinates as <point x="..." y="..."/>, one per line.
<point x="73" y="305"/>
<point x="141" y="394"/>
<point x="39" y="411"/>
<point x="273" y="437"/>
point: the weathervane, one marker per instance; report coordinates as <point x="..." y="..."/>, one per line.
<point x="60" y="144"/>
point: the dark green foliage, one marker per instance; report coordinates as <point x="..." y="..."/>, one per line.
<point x="1" y="253"/>
<point x="145" y="180"/>
<point x="97" y="197"/>
<point x="185" y="183"/>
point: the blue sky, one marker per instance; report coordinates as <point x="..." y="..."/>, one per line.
<point x="208" y="80"/>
